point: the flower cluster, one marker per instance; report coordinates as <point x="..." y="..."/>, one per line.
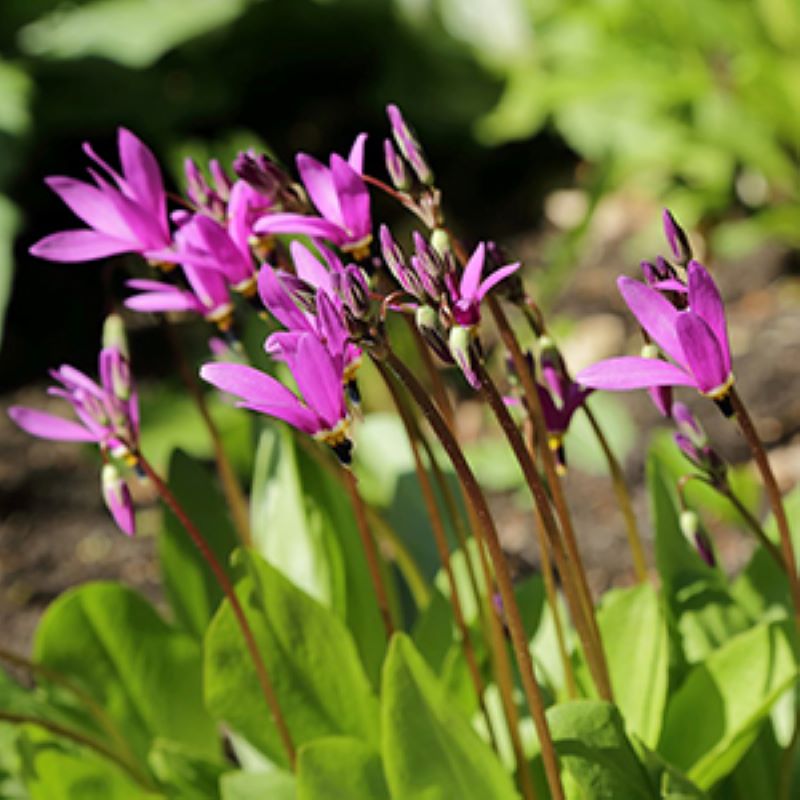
<point x="683" y="319"/>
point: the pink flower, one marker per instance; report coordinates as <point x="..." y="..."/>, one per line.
<point x="126" y="215"/>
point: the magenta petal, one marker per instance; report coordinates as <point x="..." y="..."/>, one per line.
<point x="156" y="302"/>
<point x="248" y="383"/>
<point x="49" y="426"/>
<point x="353" y="198"/>
<point x="309" y="268"/>
<point x="282" y="345"/>
<point x="318" y="381"/>
<point x="632" y="372"/>
<point x="356" y="157"/>
<point x="118" y="500"/>
<point x="298" y="416"/>
<point x="89" y="204"/>
<point x="299" y="223"/>
<point x="331" y="328"/>
<point x="79" y="245"/>
<point x="318" y="180"/>
<point x="654" y="313"/>
<point x="142" y="174"/>
<point x="702" y="352"/>
<point x="496" y="277"/>
<point x="706" y="302"/>
<point x="471" y="277"/>
<point x="278" y="301"/>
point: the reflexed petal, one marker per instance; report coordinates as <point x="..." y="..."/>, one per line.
<point x="49" y="426"/>
<point x="146" y="230"/>
<point x="79" y="245"/>
<point x="705" y="301"/>
<point x="669" y="285"/>
<point x="298" y="416"/>
<point x="318" y="381"/>
<point x="703" y="353"/>
<point x="496" y="277"/>
<point x="318" y="180"/>
<point x="654" y="313"/>
<point x="299" y="223"/>
<point x="332" y="328"/>
<point x="309" y="268"/>
<point x="142" y="174"/>
<point x="75" y="379"/>
<point x="356" y="157"/>
<point x="279" y="302"/>
<point x="209" y="286"/>
<point x="172" y="299"/>
<point x="248" y="383"/>
<point x="471" y="277"/>
<point x="118" y="500"/>
<point x="632" y="372"/>
<point x="282" y="345"/>
<point x="353" y="198"/>
<point x="89" y="204"/>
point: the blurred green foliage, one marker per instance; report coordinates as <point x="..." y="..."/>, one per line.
<point x="695" y="103"/>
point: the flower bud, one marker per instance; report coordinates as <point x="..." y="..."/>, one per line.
<point x="396" y="167"/>
<point x="440" y="241"/>
<point x="461" y="348"/>
<point x="696" y="536"/>
<point x="117" y="498"/>
<point x="409" y="145"/>
<point x="114" y="334"/>
<point x="429" y="326"/>
<point x="678" y="241"/>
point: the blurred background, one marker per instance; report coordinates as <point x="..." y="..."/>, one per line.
<point x="558" y="128"/>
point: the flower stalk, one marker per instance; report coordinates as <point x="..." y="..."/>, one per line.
<point x="519" y="640"/>
<point x="225" y="584"/>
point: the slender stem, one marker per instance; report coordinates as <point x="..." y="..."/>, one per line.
<point x="234" y="496"/>
<point x="370" y="551"/>
<point x="750" y="434"/>
<point x="593" y="645"/>
<point x="82" y="739"/>
<point x="392" y="546"/>
<point x="95" y="709"/>
<point x="437" y="384"/>
<point x="230" y="593"/>
<point x="519" y="640"/>
<point x="565" y="559"/>
<point x="623" y="497"/>
<point x="440" y="538"/>
<point x="550" y="592"/>
<point x="756" y="528"/>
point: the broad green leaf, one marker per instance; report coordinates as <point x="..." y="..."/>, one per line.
<point x="183" y="774"/>
<point x="311" y="659"/>
<point x="635" y="638"/>
<point x="304" y="525"/>
<point x="274" y="785"/>
<point x="340" y="769"/>
<point x="144" y="673"/>
<point x="433" y="631"/>
<point x="700" y="610"/>
<point x="762" y="587"/>
<point x="758" y="774"/>
<point x="672" y="783"/>
<point x="590" y="739"/>
<point x="193" y="592"/>
<point x="55" y="770"/>
<point x="429" y="749"/>
<point x="290" y="528"/>
<point x="715" y="715"/>
<point x="123" y="30"/>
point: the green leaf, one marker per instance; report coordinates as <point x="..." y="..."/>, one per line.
<point x="290" y="529"/>
<point x="183" y="774"/>
<point x="189" y="583"/>
<point x="701" y="612"/>
<point x="590" y="739"/>
<point x="340" y="769"/>
<point x="57" y="774"/>
<point x="274" y="785"/>
<point x="635" y="638"/>
<point x="715" y="715"/>
<point x="303" y="524"/>
<point x="429" y="749"/>
<point x="145" y="674"/>
<point x="123" y="30"/>
<point x="762" y="587"/>
<point x="311" y="659"/>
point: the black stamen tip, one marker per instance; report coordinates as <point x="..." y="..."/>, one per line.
<point x="353" y="392"/>
<point x="344" y="452"/>
<point x="725" y="405"/>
